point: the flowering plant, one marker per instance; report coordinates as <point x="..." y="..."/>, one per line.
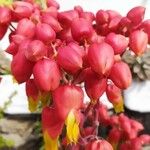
<point x="59" y="54"/>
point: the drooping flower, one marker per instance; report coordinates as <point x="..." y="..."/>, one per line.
<point x="115" y="97"/>
<point x="101" y="58"/>
<point x="68" y="99"/>
<point x="46" y="74"/>
<point x="52" y="127"/>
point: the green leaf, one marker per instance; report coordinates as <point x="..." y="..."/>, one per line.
<point x="6" y="143"/>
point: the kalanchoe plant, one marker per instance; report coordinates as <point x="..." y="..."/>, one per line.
<point x="59" y="54"/>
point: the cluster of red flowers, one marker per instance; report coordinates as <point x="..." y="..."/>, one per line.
<point x="58" y="54"/>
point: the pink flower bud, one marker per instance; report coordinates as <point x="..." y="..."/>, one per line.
<point x="124" y="122"/>
<point x="98" y="145"/>
<point x="45" y="33"/>
<point x="81" y="29"/>
<point x="114" y="136"/>
<point x="51" y="123"/>
<point x="52" y="22"/>
<point x="103" y="114"/>
<point x="145" y="139"/>
<point x="78" y="8"/>
<point x="95" y="38"/>
<point x="136" y="144"/>
<point x="145" y="26"/>
<point x="66" y="17"/>
<point x="112" y="14"/>
<point x="81" y="76"/>
<point x="22" y="9"/>
<point x="52" y="3"/>
<point x="46" y="74"/>
<point x="89" y="16"/>
<point x="137" y="126"/>
<point x="5" y="15"/>
<point x="124" y="26"/>
<point x="80" y="50"/>
<point x="101" y="58"/>
<point x="26" y="28"/>
<point x="114" y="24"/>
<point x="21" y="67"/>
<point x="136" y="14"/>
<point x="31" y="90"/>
<point x="95" y="86"/>
<point x="113" y="93"/>
<point x="67" y="98"/>
<point x="103" y="30"/>
<point x="138" y="41"/>
<point x="118" y="42"/>
<point x="121" y="75"/>
<point x="18" y="39"/>
<point x="65" y="35"/>
<point x="36" y="50"/>
<point x="69" y="59"/>
<point x="51" y="11"/>
<point x="102" y="17"/>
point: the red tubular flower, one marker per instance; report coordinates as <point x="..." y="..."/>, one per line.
<point x="145" y="26"/>
<point x="95" y="86"/>
<point x="115" y="97"/>
<point x="101" y="58"/>
<point x="5" y="15"/>
<point x="51" y="11"/>
<point x="21" y="67"/>
<point x="3" y="30"/>
<point x="52" y="127"/>
<point x="125" y="125"/>
<point x="114" y="24"/>
<point x="36" y="50"/>
<point x="89" y="16"/>
<point x="81" y="29"/>
<point x="18" y="39"/>
<point x="145" y="139"/>
<point x="80" y="50"/>
<point x="69" y="59"/>
<point x="102" y="17"/>
<point x="67" y="17"/>
<point x="112" y="14"/>
<point x="33" y="95"/>
<point x="137" y="126"/>
<point x="114" y="137"/>
<point x="45" y="33"/>
<point x="12" y="48"/>
<point x="136" y="14"/>
<point x="121" y="75"/>
<point x="22" y="9"/>
<point x="52" y="22"/>
<point x="67" y="100"/>
<point x="53" y="3"/>
<point x="118" y="42"/>
<point x="46" y="74"/>
<point x="124" y="26"/>
<point x="103" y="115"/>
<point x="98" y="145"/>
<point x="65" y="35"/>
<point x="138" y="41"/>
<point x="26" y="28"/>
